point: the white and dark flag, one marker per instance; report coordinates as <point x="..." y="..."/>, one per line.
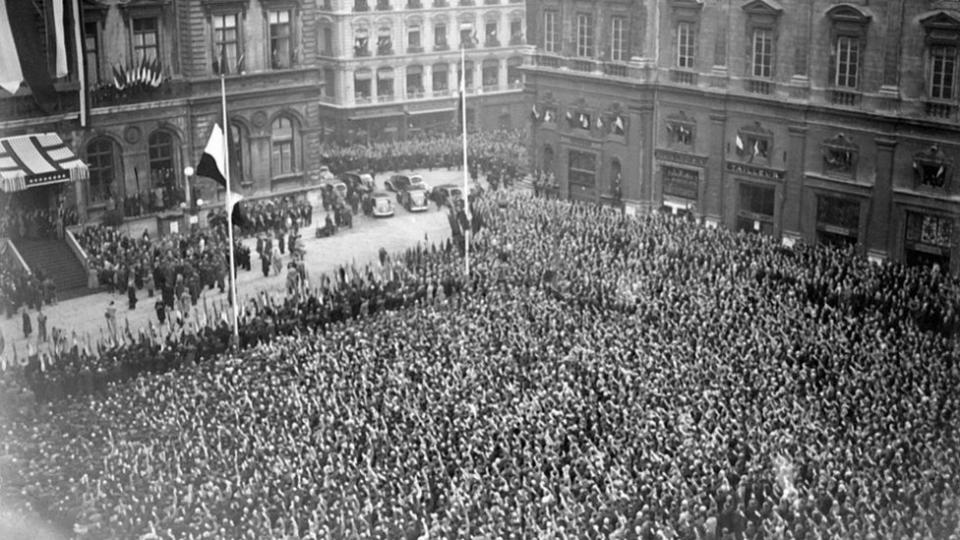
<point x="213" y="165"/>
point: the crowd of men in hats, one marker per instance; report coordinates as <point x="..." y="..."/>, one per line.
<point x="278" y="215"/>
<point x="498" y="155"/>
<point x="176" y="267"/>
<point x="597" y="376"/>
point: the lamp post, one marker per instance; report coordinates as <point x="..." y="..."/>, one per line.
<point x="191" y="205"/>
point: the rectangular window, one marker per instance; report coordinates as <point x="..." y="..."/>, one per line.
<point x="551" y="37"/>
<point x="516" y="32"/>
<point x="685" y="45"/>
<point x="837" y="212"/>
<point x="491" y="32"/>
<point x="146" y="43"/>
<point x="226" y="42"/>
<point x="440" y="35"/>
<point x="583" y="168"/>
<point x="91" y="47"/>
<point x="929" y="230"/>
<point x="848" y="62"/>
<point x="943" y="72"/>
<point x="440" y="78"/>
<point x="757" y="199"/>
<point x="762" y="53"/>
<point x="329" y="83"/>
<point x="413" y="37"/>
<point x="585" y="35"/>
<point x="361" y="86"/>
<point x="467" y="76"/>
<point x="328" y="41"/>
<point x="281" y="48"/>
<point x="618" y="41"/>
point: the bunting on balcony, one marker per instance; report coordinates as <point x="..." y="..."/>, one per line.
<point x="23" y="58"/>
<point x="32" y="160"/>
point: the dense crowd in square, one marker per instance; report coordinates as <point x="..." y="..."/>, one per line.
<point x="597" y="375"/>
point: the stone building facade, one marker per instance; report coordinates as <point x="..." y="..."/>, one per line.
<point x="818" y="120"/>
<point x="290" y="68"/>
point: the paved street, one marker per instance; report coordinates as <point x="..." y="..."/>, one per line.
<point x="85" y="315"/>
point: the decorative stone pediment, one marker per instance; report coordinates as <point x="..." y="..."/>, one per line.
<point x="686" y="8"/>
<point x="942" y="27"/>
<point x="848" y="13"/>
<point x="763" y="8"/>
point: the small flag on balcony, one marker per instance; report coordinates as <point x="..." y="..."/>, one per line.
<point x="618" y="125"/>
<point x="223" y="67"/>
<point x="584" y="121"/>
<point x="739" y="143"/>
<point x="940" y="172"/>
<point x="548" y="116"/>
<point x="599" y="122"/>
<point x="569" y="116"/>
<point x="534" y="114"/>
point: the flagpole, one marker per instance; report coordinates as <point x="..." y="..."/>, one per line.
<point x="226" y="176"/>
<point x="466" y="174"/>
<point x="81" y="68"/>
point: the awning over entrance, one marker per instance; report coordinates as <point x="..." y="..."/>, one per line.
<point x="33" y="160"/>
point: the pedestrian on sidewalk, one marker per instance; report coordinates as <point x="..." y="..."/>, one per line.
<point x="131" y="294"/>
<point x="111" y="315"/>
<point x="27" y="324"/>
<point x="41" y="326"/>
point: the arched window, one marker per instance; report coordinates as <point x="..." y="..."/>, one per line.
<point x="361" y="42"/>
<point x="414" y="81"/>
<point x="103" y="164"/>
<point x="384" y="40"/>
<point x="283" y="143"/>
<point x="362" y="85"/>
<point x="163" y="159"/>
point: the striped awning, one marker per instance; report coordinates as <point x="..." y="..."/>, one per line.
<point x="34" y="160"/>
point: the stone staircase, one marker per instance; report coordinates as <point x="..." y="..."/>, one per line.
<point x="56" y="260"/>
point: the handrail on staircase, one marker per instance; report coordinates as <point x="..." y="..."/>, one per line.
<point x="77" y="249"/>
<point x="12" y="256"/>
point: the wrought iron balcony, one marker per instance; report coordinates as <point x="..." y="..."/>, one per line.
<point x="361" y="52"/>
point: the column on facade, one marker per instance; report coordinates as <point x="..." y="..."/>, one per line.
<point x="478" y="74"/>
<point x="793" y="183"/>
<point x="878" y="233"/>
<point x="373" y="85"/>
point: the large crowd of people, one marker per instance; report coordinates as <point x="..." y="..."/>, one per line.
<point x="499" y="155"/>
<point x="598" y="375"/>
<point x="175" y="266"/>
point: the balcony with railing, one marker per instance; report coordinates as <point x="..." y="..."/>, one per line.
<point x="414" y="49"/>
<point x="683" y="76"/>
<point x="548" y="60"/>
<point x="581" y="64"/>
<point x="940" y="110"/>
<point x="758" y="86"/>
<point x="516" y="39"/>
<point x="440" y="47"/>
<point x="360" y="53"/>
<point x="441" y="92"/>
<point x="615" y="69"/>
<point x="844" y="98"/>
<point x="385" y="98"/>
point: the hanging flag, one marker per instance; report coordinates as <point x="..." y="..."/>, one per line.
<point x="548" y="116"/>
<point x="739" y="143"/>
<point x="239" y="65"/>
<point x="599" y="122"/>
<point x="19" y="20"/>
<point x="59" y="39"/>
<point x="940" y="171"/>
<point x="534" y="114"/>
<point x="212" y="165"/>
<point x="584" y="121"/>
<point x="756" y="148"/>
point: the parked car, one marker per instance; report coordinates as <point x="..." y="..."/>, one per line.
<point x="445" y="193"/>
<point x="397" y="182"/>
<point x="381" y="204"/>
<point x="417" y="181"/>
<point x="413" y="199"/>
<point x="358" y="181"/>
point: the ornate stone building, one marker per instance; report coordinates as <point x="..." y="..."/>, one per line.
<point x="298" y="73"/>
<point x="818" y="120"/>
<point x="391" y="67"/>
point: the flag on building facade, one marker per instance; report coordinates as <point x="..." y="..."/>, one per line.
<point x="213" y="165"/>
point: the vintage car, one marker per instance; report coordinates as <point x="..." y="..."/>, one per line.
<point x="337" y="187"/>
<point x="359" y="182"/>
<point x="381" y="204"/>
<point x="417" y="181"/>
<point x="446" y="193"/>
<point x="414" y="199"/>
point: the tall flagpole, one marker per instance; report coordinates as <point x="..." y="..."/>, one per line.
<point x="226" y="176"/>
<point x="81" y="68"/>
<point x="466" y="173"/>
